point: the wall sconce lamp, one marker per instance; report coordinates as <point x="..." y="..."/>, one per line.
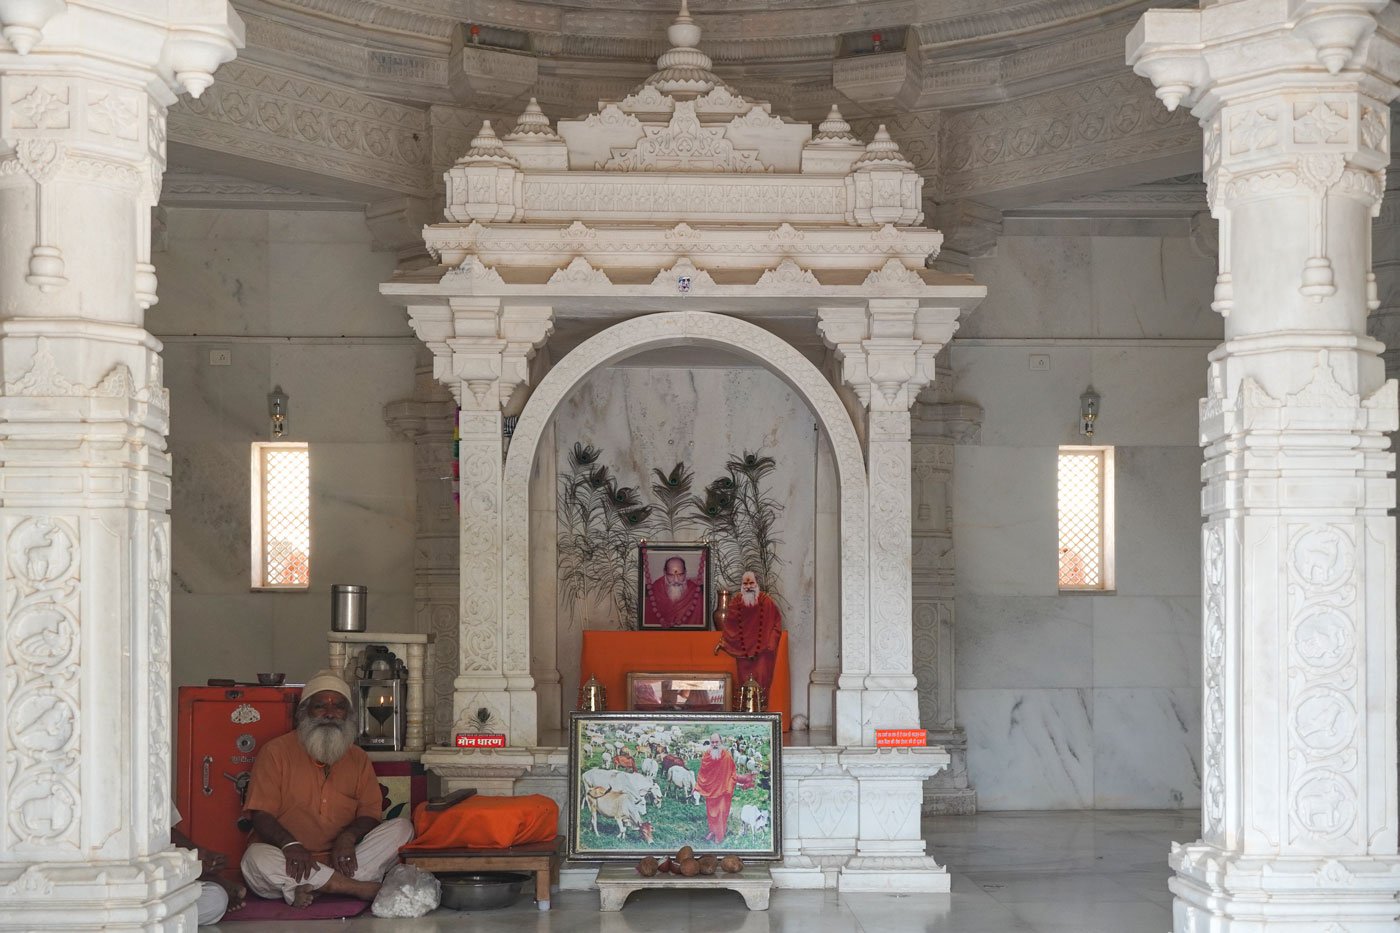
<point x="277" y="410"/>
<point x="1088" y="412"/>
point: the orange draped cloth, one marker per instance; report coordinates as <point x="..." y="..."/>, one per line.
<point x="609" y="656"/>
<point x="481" y="822"/>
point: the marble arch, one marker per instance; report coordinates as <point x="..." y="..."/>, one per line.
<point x="670" y="328"/>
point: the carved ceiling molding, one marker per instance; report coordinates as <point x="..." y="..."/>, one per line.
<point x="988" y="153"/>
<point x="308" y="126"/>
<point x="204" y="190"/>
<point x="957" y="53"/>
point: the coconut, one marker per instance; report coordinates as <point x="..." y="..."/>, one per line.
<point x="648" y="867"/>
<point x="708" y="864"/>
<point x="667" y="866"/>
<point x="690" y="867"/>
<point x="732" y="864"/>
<point x="685" y="853"/>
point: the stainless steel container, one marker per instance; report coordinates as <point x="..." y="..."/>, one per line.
<point x="348" y="607"/>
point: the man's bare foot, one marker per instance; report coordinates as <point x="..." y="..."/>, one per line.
<point x="339" y="884"/>
<point x="304" y="895"/>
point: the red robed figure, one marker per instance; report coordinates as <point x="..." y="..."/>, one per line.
<point x="716" y="784"/>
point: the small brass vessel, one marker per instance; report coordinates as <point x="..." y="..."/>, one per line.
<point x="751" y="698"/>
<point x="592" y="697"/>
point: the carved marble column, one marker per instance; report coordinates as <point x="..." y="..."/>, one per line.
<point x="84" y="474"/>
<point x="886" y="352"/>
<point x="481" y="352"/>
<point x="428" y="419"/>
<point x="937" y="428"/>
<point x="1299" y="806"/>
<point x="1384" y="322"/>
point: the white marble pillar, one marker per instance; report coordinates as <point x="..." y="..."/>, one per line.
<point x="886" y="351"/>
<point x="1299" y="769"/>
<point x="428" y="419"/>
<point x="481" y="352"/>
<point x="84" y="473"/>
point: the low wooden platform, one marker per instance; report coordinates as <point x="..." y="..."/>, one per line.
<point x="540" y="858"/>
<point x="617" y="882"/>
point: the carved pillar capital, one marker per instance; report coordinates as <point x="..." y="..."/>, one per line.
<point x="396" y="224"/>
<point x="886" y="349"/>
<point x="970" y="231"/>
<point x="482" y="345"/>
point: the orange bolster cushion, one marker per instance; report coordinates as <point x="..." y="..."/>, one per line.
<point x="482" y="822"/>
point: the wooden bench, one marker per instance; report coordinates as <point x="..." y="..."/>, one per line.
<point x="541" y="858"/>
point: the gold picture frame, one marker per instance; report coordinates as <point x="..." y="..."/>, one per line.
<point x="679" y="691"/>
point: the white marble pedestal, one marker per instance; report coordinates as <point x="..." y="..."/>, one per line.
<point x="617" y="882"/>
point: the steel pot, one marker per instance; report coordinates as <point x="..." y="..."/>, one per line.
<point x="348" y="607"/>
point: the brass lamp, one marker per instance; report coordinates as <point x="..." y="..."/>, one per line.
<point x="381" y="682"/>
<point x="592" y="697"/>
<point x="751" y="698"/>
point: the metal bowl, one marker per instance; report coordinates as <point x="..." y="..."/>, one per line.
<point x="480" y="890"/>
<point x="272" y="680"/>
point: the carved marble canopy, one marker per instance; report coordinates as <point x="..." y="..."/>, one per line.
<point x="683" y="191"/>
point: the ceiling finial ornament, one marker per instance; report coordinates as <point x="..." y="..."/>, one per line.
<point x="835" y="128"/>
<point x="684" y="71"/>
<point x="487" y="147"/>
<point x="533" y="124"/>
<point x="882" y="153"/>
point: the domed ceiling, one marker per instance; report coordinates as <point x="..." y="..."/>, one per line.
<point x="1002" y="103"/>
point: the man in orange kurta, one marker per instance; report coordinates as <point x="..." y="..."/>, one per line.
<point x="750" y="631"/>
<point x="316" y="805"/>
<point x="716" y="784"/>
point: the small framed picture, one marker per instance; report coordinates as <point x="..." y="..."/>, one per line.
<point x="649" y="783"/>
<point x="673" y="582"/>
<point x="696" y="692"/>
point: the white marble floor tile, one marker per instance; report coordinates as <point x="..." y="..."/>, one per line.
<point x="1085" y="871"/>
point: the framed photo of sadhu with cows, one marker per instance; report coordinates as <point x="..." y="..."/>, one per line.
<point x="649" y="783"/>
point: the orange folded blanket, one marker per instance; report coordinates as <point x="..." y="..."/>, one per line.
<point x="482" y="822"/>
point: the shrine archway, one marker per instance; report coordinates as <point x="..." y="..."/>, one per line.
<point x="691" y="328"/>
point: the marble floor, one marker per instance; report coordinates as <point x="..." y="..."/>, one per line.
<point x="1100" y="871"/>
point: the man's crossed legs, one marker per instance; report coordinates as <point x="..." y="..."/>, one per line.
<point x="265" y="868"/>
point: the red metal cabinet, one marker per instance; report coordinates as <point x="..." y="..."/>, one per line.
<point x="221" y="730"/>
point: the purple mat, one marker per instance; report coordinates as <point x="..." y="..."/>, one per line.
<point x="326" y="907"/>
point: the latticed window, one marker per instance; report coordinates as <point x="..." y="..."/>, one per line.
<point x="281" y="516"/>
<point x="1086" y="518"/>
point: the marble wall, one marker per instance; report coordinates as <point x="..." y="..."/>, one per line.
<point x="294" y="299"/>
<point x="644" y="416"/>
<point x="1077" y="700"/>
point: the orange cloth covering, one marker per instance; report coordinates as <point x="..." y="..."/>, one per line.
<point x="611" y="655"/>
<point x="311" y="805"/>
<point x="486" y="823"/>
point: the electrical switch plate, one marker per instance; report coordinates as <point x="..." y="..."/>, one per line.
<point x="223" y="357"/>
<point x="1040" y="362"/>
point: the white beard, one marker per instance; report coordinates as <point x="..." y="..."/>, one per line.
<point x="714" y="753"/>
<point x="326" y="740"/>
<point x="750" y="598"/>
<point x="675" y="590"/>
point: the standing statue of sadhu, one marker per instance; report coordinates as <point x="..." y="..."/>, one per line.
<point x="749" y="632"/>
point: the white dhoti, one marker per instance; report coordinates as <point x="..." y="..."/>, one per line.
<point x="212" y="903"/>
<point x="265" y="867"/>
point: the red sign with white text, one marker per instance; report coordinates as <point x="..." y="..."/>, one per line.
<point x="901" y="738"/>
<point x="481" y="740"/>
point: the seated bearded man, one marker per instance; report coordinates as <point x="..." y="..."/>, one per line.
<point x="316" y="807"/>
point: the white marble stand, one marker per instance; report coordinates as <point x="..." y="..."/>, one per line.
<point x="416" y="651"/>
<point x="617" y="882"/>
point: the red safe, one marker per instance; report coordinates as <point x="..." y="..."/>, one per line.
<point x="221" y="730"/>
